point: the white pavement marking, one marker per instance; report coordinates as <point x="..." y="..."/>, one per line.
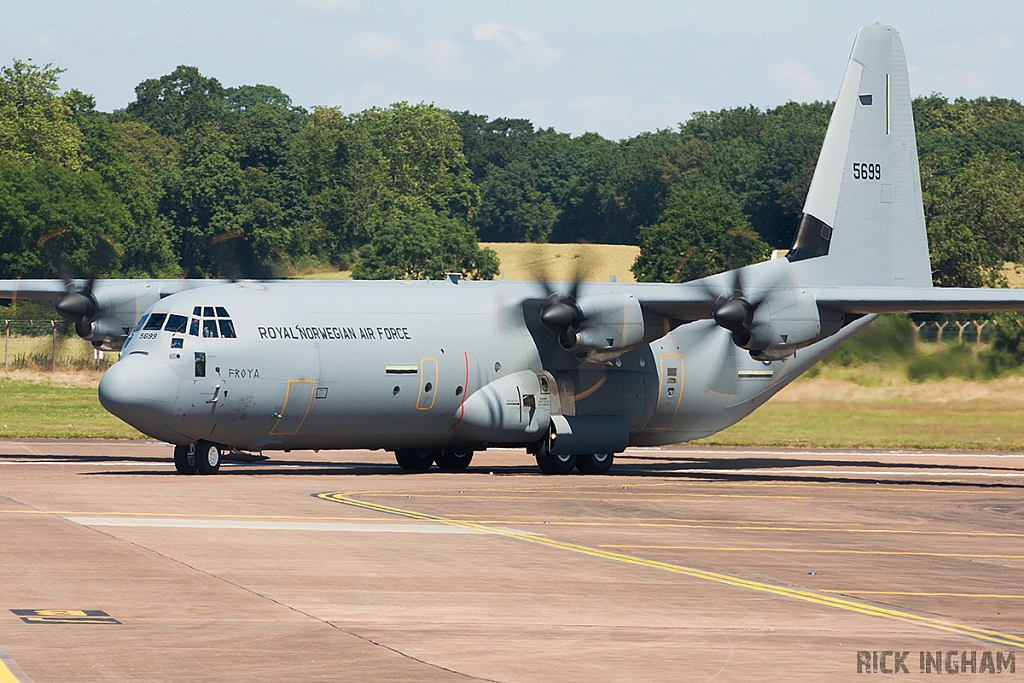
<point x="185" y="523"/>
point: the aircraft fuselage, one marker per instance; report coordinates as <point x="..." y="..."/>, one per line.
<point x="397" y="365"/>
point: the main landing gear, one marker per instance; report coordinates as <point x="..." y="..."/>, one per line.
<point x="202" y="457"/>
<point x="591" y="463"/>
<point x="420" y="460"/>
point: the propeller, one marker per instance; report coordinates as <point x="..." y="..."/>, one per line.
<point x="562" y="315"/>
<point x="734" y="310"/>
<point x="78" y="305"/>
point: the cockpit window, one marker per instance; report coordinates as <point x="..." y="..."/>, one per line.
<point x="211" y="322"/>
<point x="155" y="322"/>
<point x="176" y="324"/>
<point x="142" y="321"/>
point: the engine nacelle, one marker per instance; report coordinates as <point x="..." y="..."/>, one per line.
<point x="612" y="324"/>
<point x="119" y="305"/>
<point x="788" y="320"/>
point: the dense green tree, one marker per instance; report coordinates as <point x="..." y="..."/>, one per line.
<point x="35" y="123"/>
<point x="700" y="233"/>
<point x="53" y="219"/>
<point x="415" y="242"/>
<point x="976" y="221"/>
<point x="493" y="144"/>
<point x="146" y="246"/>
<point x="204" y="202"/>
<point x="181" y="100"/>
<point x="513" y="209"/>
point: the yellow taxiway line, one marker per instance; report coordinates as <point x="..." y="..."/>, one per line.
<point x="6" y="675"/>
<point x="817" y="598"/>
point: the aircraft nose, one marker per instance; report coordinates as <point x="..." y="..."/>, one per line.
<point x="141" y="391"/>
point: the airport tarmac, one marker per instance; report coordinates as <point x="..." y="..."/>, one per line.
<point x="686" y="563"/>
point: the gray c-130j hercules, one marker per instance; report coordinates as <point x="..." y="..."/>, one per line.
<point x="574" y="373"/>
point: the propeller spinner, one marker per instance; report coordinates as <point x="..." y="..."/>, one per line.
<point x="78" y="306"/>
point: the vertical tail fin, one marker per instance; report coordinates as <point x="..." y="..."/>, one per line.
<point x="863" y="221"/>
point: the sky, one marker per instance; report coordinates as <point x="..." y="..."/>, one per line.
<point x="614" y="68"/>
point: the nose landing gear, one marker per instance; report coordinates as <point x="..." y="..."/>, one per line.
<point x="202" y="457"/>
<point x="185" y="459"/>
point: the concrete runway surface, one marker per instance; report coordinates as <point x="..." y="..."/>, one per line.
<point x="686" y="563"/>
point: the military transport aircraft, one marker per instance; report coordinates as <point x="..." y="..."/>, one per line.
<point x="575" y="373"/>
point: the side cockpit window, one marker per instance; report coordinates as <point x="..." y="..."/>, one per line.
<point x="193" y="328"/>
<point x="155" y="322"/>
<point x="176" y="324"/>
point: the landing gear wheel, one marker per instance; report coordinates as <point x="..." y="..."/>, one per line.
<point x="207" y="457"/>
<point x="185" y="459"/>
<point x="454" y="461"/>
<point x="555" y="464"/>
<point x="597" y="463"/>
<point x="414" y="460"/>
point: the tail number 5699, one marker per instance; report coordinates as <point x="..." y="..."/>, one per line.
<point x="864" y="171"/>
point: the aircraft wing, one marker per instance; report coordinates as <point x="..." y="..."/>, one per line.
<point x="54" y="289"/>
<point x="918" y="300"/>
<point x="32" y="289"/>
<point x="690" y="301"/>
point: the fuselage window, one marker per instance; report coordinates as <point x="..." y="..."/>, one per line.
<point x="208" y="312"/>
<point x="209" y="328"/>
<point x="222" y="312"/>
<point x="177" y="343"/>
<point x="200" y="364"/>
<point x="227" y="330"/>
<point x="193" y="329"/>
<point x="176" y="324"/>
<point x="155" y="322"/>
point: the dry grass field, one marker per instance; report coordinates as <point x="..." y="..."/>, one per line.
<point x="557" y="262"/>
<point x="563" y="262"/>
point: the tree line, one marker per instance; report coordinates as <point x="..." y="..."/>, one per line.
<point x="196" y="179"/>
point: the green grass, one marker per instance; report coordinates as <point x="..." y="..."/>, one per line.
<point x="44" y="410"/>
<point x="880" y="424"/>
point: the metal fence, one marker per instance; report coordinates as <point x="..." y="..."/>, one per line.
<point x="967" y="331"/>
<point x="49" y="345"/>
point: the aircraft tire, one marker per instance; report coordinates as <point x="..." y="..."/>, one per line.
<point x="185" y="459"/>
<point x="454" y="461"/>
<point x="596" y="463"/>
<point x="555" y="464"/>
<point x="207" y="457"/>
<point x="414" y="460"/>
